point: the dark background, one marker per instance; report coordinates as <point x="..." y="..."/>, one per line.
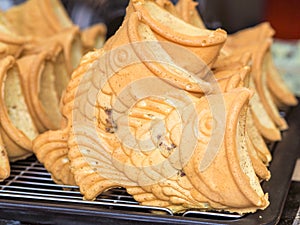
<point x="231" y="15"/>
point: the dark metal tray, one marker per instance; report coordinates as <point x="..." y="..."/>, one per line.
<point x="30" y="196"/>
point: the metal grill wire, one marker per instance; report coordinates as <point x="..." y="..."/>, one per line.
<point x="30" y="180"/>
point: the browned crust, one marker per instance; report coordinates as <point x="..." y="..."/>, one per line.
<point x="183" y="39"/>
<point x="51" y="149"/>
<point x="91" y="35"/>
<point x="260" y="80"/>
<point x="31" y="68"/>
<point x="13" y="137"/>
<point x="188" y="12"/>
<point x="37" y="18"/>
<point x="230" y="142"/>
<point x="4" y="162"/>
<point x="90" y="182"/>
<point x="277" y="86"/>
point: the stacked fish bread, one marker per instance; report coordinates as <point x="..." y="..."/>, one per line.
<point x="56" y="48"/>
<point x="135" y="115"/>
<point x="254" y="43"/>
<point x="10" y="42"/>
<point x="44" y="19"/>
<point x="42" y="152"/>
<point x="265" y="79"/>
<point x="16" y="136"/>
<point x="39" y="48"/>
<point x="17" y="127"/>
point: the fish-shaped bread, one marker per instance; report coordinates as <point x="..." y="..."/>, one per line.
<point x="16" y="125"/>
<point x="138" y="115"/>
<point x="44" y="78"/>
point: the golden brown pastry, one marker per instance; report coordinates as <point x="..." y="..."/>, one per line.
<point x="237" y="60"/>
<point x="265" y="125"/>
<point x="257" y="140"/>
<point x="134" y="30"/>
<point x="229" y="79"/>
<point x="189" y="187"/>
<point x="260" y="79"/>
<point x="134" y="25"/>
<point x="265" y="113"/>
<point x="238" y="44"/>
<point x="68" y="39"/>
<point x="17" y="128"/>
<point x="177" y="192"/>
<point x="167" y="27"/>
<point x="51" y="149"/>
<point x="132" y="119"/>
<point x="10" y="42"/>
<point x="277" y="87"/>
<point x="259" y="154"/>
<point x="46" y="21"/>
<point x="189" y="13"/>
<point x="222" y="69"/>
<point x="257" y="33"/>
<point x="264" y="69"/>
<point x="4" y="162"/>
<point x="232" y="61"/>
<point x="169" y="6"/>
<point x="93" y="37"/>
<point x="44" y="78"/>
<point x="40" y="19"/>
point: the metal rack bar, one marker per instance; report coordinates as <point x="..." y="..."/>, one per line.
<point x="30" y="180"/>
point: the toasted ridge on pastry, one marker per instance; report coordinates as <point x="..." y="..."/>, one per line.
<point x="168" y="5"/>
<point x="260" y="34"/>
<point x="134" y="30"/>
<point x="10" y="42"/>
<point x="17" y="127"/>
<point x="188" y="12"/>
<point x="45" y="21"/>
<point x="276" y="85"/>
<point x="257" y="140"/>
<point x="4" y="162"/>
<point x="260" y="80"/>
<point x="43" y="144"/>
<point x="51" y="149"/>
<point x="261" y="108"/>
<point x="38" y="18"/>
<point x="205" y="43"/>
<point x="258" y="151"/>
<point x="93" y="37"/>
<point x="259" y="54"/>
<point x="44" y="77"/>
<point x="68" y="39"/>
<point x="262" y="121"/>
